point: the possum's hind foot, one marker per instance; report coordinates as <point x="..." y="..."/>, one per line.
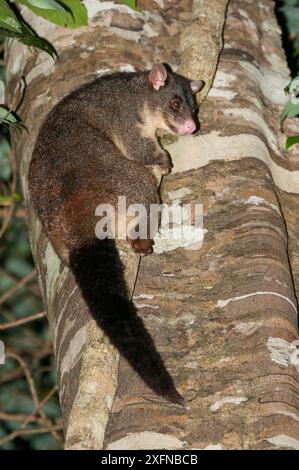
<point x="165" y="168"/>
<point x="141" y="246"/>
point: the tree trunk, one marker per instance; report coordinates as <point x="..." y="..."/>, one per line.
<point x="223" y="312"/>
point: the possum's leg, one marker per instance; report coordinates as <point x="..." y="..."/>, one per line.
<point x="149" y="152"/>
<point x="111" y="177"/>
<point x="142" y="229"/>
<point x="141" y="241"/>
<point x="161" y="158"/>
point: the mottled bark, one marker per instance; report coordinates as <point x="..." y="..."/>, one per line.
<point x="201" y="41"/>
<point x="223" y="312"/>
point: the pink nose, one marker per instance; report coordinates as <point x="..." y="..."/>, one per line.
<point x="189" y="126"/>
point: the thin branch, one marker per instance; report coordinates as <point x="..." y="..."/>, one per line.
<point x="46" y="421"/>
<point x="10" y="209"/>
<point x="38" y="405"/>
<point x="55" y="427"/>
<point x="18" y="417"/>
<point x="19" y="373"/>
<point x="21" y="283"/>
<point x="20" y="213"/>
<point x="27" y="373"/>
<point x="21" y="321"/>
<point x="33" y="288"/>
<point x="18" y="432"/>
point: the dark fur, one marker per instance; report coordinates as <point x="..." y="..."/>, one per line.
<point x="93" y="147"/>
<point x="107" y="297"/>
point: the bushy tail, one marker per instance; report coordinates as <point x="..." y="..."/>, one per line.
<point x="98" y="271"/>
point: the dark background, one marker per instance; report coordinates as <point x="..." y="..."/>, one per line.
<point x="30" y="342"/>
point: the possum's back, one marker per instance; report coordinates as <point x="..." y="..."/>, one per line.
<point x="74" y="142"/>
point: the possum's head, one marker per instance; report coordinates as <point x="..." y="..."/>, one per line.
<point x="172" y="100"/>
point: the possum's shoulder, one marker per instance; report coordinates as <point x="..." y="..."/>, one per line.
<point x="103" y="88"/>
<point x="105" y="83"/>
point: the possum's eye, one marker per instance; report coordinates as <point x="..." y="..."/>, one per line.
<point x="175" y="103"/>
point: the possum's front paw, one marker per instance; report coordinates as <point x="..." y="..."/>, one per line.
<point x="164" y="161"/>
<point x="165" y="165"/>
<point x="165" y="168"/>
<point x="142" y="247"/>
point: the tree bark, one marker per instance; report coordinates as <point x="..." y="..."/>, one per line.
<point x="222" y="311"/>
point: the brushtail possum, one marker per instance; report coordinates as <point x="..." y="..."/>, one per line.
<point x="95" y="145"/>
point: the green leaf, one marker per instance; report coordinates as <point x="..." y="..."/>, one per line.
<point x="8" y="19"/>
<point x="72" y="15"/>
<point x="30" y="39"/>
<point x="290" y="110"/>
<point x="7" y="116"/>
<point x="131" y="3"/>
<point x="291" y="141"/>
<point x="13" y="26"/>
<point x="15" y="197"/>
<point x="46" y="4"/>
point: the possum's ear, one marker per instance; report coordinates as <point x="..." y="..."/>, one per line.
<point x="157" y="76"/>
<point x="196" y="85"/>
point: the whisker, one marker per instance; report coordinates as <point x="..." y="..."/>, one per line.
<point x="199" y="134"/>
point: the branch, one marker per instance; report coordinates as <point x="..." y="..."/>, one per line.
<point x="22" y="321"/>
<point x="20" y="284"/>
<point x="38" y="405"/>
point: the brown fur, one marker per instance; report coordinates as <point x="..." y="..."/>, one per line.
<point x="94" y="146"/>
<point x="101" y="137"/>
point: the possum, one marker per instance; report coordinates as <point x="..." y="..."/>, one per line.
<point x="97" y="144"/>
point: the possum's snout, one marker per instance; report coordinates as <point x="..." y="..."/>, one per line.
<point x="187" y="127"/>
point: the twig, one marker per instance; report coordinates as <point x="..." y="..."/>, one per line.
<point x="16" y="417"/>
<point x="18" y="373"/>
<point x="21" y="283"/>
<point x="43" y="416"/>
<point x="19" y="431"/>
<point x="21" y="321"/>
<point x="10" y="209"/>
<point x="27" y="373"/>
<point x="19" y="213"/>
<point x="33" y="288"/>
<point x="38" y="405"/>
